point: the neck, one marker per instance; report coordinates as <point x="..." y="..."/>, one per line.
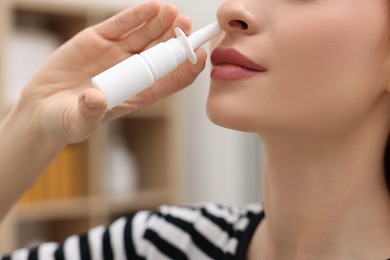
<point x="325" y="199"/>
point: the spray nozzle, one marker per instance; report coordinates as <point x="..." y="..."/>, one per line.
<point x="198" y="38"/>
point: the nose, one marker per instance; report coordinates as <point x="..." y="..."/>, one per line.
<point x="236" y="17"/>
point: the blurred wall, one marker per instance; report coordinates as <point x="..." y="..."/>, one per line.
<point x="220" y="165"/>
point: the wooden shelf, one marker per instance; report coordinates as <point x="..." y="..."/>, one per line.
<point x="147" y="200"/>
<point x="51" y="210"/>
<point x="85" y="207"/>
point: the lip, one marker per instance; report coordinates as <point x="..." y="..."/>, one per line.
<point x="230" y="64"/>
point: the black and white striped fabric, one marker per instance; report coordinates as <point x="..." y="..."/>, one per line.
<point x="203" y="232"/>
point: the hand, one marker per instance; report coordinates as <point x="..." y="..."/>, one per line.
<point x="61" y="97"/>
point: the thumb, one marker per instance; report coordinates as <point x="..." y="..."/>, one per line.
<point x="91" y="110"/>
<point x="92" y="101"/>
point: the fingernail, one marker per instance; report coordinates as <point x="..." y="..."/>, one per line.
<point x="92" y="102"/>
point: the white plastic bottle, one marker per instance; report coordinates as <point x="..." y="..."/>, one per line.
<point x="140" y="71"/>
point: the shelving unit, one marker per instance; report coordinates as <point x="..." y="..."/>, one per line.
<point x="70" y="197"/>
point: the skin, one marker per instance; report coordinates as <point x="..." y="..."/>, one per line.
<point x="322" y="113"/>
<point x="59" y="105"/>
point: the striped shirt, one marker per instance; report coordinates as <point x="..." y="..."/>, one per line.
<point x="202" y="232"/>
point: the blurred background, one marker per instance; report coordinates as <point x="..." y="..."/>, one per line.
<point x="168" y="154"/>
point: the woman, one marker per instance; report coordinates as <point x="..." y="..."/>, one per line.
<point x="311" y="78"/>
<point x="318" y="96"/>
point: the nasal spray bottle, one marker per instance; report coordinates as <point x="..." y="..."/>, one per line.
<point x="140" y="71"/>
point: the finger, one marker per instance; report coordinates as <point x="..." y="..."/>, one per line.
<point x="93" y="99"/>
<point x="182" y="22"/>
<point x="123" y="23"/>
<point x="91" y="109"/>
<point x="139" y="39"/>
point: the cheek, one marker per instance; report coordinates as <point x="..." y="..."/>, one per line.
<point x="326" y="49"/>
<point x="330" y="69"/>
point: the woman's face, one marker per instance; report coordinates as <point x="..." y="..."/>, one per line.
<point x="317" y="66"/>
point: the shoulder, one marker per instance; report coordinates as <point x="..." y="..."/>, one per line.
<point x="205" y="231"/>
<point x="202" y="232"/>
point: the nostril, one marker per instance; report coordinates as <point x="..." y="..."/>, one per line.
<point x="239" y="23"/>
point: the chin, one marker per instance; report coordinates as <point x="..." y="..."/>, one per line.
<point x="236" y="115"/>
<point x="230" y="117"/>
